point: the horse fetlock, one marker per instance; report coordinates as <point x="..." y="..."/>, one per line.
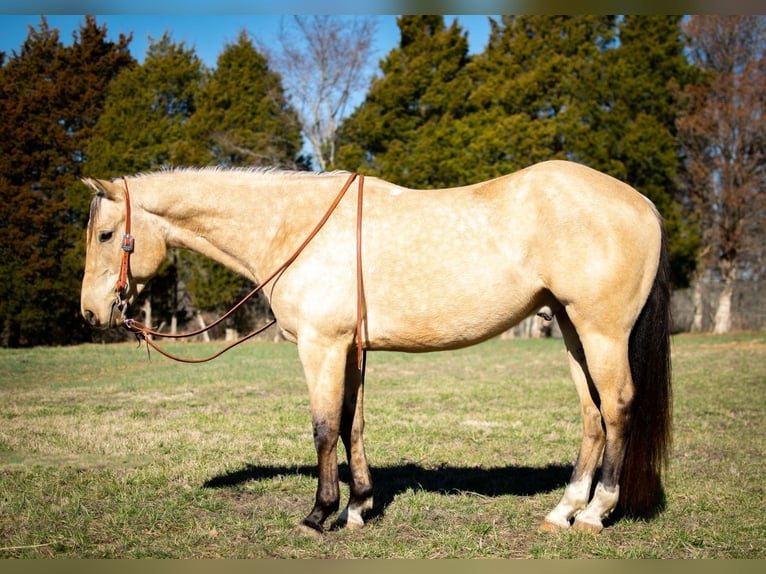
<point x="601" y="505"/>
<point x="574" y="500"/>
<point x="352" y="515"/>
<point x="324" y="507"/>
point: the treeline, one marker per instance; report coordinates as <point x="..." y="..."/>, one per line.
<point x="656" y="101"/>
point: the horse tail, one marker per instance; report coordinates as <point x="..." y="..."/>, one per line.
<point x="649" y="433"/>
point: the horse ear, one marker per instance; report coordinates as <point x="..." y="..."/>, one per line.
<point x="104" y="188"/>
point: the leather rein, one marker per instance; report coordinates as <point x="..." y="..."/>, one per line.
<point x="142" y="332"/>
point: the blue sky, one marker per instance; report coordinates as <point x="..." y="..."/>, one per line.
<point x="208" y="33"/>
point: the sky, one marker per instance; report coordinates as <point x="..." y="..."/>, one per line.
<point x="208" y="33"/>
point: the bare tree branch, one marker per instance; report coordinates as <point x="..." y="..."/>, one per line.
<point x="324" y="61"/>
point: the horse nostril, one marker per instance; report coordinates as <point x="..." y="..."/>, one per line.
<point x="90" y="317"/>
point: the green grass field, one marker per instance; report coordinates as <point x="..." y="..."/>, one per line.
<point x="106" y="453"/>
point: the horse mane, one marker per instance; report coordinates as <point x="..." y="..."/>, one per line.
<point x="254" y="170"/>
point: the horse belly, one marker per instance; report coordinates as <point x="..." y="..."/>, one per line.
<point x="448" y="318"/>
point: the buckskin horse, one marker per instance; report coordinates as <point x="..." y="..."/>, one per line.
<point x="424" y="270"/>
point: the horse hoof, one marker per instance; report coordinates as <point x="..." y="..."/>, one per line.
<point x="310" y="531"/>
<point x="354" y="525"/>
<point x="548" y="526"/>
<point x="351" y="519"/>
<point x="587" y="527"/>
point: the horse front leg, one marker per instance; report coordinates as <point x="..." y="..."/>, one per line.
<point x="352" y="435"/>
<point x="324" y="366"/>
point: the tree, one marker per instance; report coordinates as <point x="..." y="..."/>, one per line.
<point x="143" y="123"/>
<point x="50" y="99"/>
<point x="404" y="129"/>
<point x="323" y="62"/>
<point x="724" y="133"/>
<point x="242" y="116"/>
<point x="531" y="101"/>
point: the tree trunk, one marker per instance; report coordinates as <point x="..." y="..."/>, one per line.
<point x="146" y="308"/>
<point x="723" y="313"/>
<point x="202" y="325"/>
<point x="696" y="326"/>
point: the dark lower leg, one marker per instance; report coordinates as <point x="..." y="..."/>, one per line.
<point x="327" y="495"/>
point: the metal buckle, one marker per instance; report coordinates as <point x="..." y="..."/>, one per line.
<point x="128" y="242"/>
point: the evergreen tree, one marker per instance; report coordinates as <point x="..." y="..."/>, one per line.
<point x="242" y="116"/>
<point x="409" y="109"/>
<point x="530" y="96"/>
<point x="144" y="121"/>
<point x="50" y="99"/>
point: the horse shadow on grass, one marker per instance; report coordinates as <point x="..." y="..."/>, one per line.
<point x="389" y="481"/>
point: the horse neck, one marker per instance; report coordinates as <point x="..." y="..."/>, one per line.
<point x="230" y="217"/>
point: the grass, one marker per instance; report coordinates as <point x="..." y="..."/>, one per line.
<point x="105" y="453"/>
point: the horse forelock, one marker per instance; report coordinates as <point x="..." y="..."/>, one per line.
<point x="95" y="208"/>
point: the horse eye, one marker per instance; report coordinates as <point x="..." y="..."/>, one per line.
<point x="104" y="236"/>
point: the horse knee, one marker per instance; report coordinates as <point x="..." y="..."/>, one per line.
<point x="325" y="436"/>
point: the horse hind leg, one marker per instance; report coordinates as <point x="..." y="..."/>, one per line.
<point x="577" y="492"/>
<point x="352" y="435"/>
<point x="610" y="371"/>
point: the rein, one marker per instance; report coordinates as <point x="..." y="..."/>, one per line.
<point x="142" y="332"/>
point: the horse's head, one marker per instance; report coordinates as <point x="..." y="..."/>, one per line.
<point x="106" y="292"/>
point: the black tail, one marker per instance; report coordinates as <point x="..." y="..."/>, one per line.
<point x="649" y="438"/>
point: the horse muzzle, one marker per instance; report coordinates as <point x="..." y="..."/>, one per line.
<point x="113" y="317"/>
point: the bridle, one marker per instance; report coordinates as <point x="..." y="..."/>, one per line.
<point x="128" y="245"/>
<point x="145" y="333"/>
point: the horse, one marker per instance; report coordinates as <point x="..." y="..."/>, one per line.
<point x="440" y="269"/>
